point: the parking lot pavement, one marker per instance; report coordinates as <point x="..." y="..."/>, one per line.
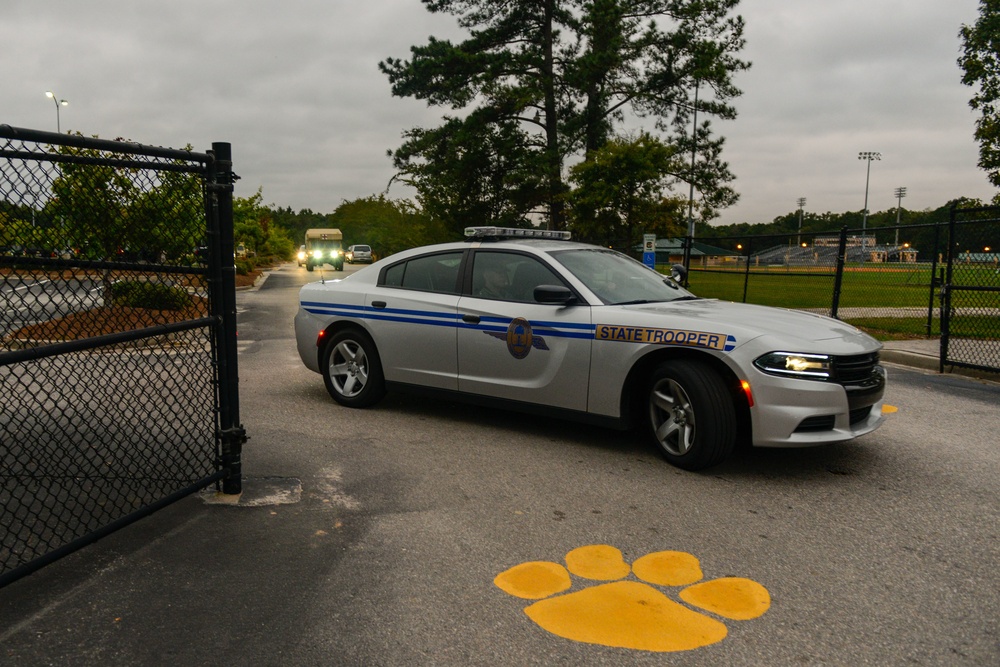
<point x="374" y="537"/>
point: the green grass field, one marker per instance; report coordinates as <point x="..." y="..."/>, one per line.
<point x="876" y="287"/>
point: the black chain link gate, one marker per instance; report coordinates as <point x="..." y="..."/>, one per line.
<point x="970" y="293"/>
<point x="118" y="382"/>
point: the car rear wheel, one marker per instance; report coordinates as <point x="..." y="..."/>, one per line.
<point x="352" y="370"/>
<point x="692" y="417"/>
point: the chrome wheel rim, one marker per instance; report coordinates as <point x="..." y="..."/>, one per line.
<point x="672" y="415"/>
<point x="348" y="368"/>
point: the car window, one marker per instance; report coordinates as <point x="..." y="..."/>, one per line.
<point x="618" y="279"/>
<point x="430" y="273"/>
<point x="509" y="276"/>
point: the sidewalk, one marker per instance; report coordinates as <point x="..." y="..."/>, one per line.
<point x="925" y="354"/>
<point x="920" y="353"/>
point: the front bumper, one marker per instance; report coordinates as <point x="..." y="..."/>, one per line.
<point x="802" y="413"/>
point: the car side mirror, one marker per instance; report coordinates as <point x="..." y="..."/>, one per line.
<point x="678" y="274"/>
<point x="554" y="294"/>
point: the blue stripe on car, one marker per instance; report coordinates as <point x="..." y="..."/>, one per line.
<point x="434" y="318"/>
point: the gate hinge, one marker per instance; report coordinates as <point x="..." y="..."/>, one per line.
<point x="237" y="435"/>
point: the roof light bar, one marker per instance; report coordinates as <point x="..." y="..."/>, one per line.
<point x="514" y="233"/>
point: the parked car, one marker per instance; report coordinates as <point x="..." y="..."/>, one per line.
<point x="359" y="254"/>
<point x="302" y="255"/>
<point x="529" y="320"/>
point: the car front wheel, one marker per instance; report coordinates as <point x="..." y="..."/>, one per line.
<point x="692" y="417"/>
<point x="352" y="370"/>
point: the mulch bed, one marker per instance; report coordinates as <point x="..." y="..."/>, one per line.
<point x="100" y="321"/>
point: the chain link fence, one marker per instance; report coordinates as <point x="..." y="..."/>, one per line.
<point x="970" y="323"/>
<point x="898" y="282"/>
<point x="113" y="332"/>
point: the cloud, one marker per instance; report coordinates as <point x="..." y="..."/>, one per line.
<point x="295" y="87"/>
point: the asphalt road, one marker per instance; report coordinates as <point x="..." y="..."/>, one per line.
<point x="373" y="537"/>
<point x="28" y="300"/>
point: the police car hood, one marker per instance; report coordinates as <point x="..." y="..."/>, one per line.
<point x="747" y="321"/>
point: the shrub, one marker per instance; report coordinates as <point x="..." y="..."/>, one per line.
<point x="244" y="265"/>
<point x="136" y="294"/>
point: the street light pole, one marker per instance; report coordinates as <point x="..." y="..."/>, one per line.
<point x="694" y="155"/>
<point x="869" y="156"/>
<point x="689" y="241"/>
<point x="900" y="193"/>
<point x="58" y="103"/>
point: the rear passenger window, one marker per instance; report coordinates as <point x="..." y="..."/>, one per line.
<point x="430" y="273"/>
<point x="394" y="275"/>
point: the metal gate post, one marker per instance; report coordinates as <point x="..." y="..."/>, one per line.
<point x="746" y="272"/>
<point x="232" y="432"/>
<point x="946" y="290"/>
<point x="934" y="283"/>
<point x="838" y="280"/>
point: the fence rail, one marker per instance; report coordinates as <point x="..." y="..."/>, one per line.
<point x="117" y="337"/>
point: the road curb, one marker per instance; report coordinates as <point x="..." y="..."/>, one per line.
<point x="932" y="363"/>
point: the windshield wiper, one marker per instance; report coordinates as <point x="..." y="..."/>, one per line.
<point x="636" y="302"/>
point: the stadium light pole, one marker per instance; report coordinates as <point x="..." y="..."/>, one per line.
<point x="59" y="103"/>
<point x="867" y="156"/>
<point x="900" y="193"/>
<point x="802" y="203"/>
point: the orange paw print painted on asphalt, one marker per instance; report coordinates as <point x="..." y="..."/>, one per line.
<point x="633" y="614"/>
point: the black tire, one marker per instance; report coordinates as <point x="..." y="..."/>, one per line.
<point x="309" y="266"/>
<point x="692" y="417"/>
<point x="352" y="370"/>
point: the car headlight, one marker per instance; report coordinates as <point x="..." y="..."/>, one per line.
<point x="794" y="364"/>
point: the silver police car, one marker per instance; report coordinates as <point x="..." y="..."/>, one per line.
<point x="528" y="320"/>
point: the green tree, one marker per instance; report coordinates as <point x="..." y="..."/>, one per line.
<point x="91" y="203"/>
<point x="387" y="225"/>
<point x="254" y="228"/>
<point x="980" y="60"/>
<point x="503" y="77"/>
<point x="553" y="78"/>
<point x="171" y="215"/>
<point x="108" y="212"/>
<point x="471" y="172"/>
<point x="620" y="192"/>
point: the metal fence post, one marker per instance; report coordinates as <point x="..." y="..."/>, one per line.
<point x="746" y="272"/>
<point x="231" y="430"/>
<point x="946" y="290"/>
<point x="688" y="244"/>
<point x="934" y="283"/>
<point x="838" y="280"/>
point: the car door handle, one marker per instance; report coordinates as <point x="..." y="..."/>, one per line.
<point x="470" y="319"/>
<point x="378" y="304"/>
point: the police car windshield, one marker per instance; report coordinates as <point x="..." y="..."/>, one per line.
<point x="618" y="279"/>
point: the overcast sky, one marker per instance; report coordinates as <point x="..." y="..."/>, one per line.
<point x="294" y="86"/>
